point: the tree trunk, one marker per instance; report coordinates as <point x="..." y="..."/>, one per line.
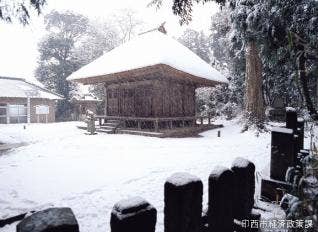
<point x="254" y="103"/>
<point x="304" y="84"/>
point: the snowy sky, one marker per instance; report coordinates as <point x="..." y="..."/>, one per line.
<point x="18" y="44"/>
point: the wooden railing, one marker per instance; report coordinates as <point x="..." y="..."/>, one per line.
<point x="196" y="120"/>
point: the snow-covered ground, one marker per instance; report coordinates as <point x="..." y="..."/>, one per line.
<point x="61" y="166"/>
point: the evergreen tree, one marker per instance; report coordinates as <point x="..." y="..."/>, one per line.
<point x="227" y="56"/>
<point x="72" y="42"/>
<point x="197" y="42"/>
<point x="283" y="31"/>
<point x="57" y="56"/>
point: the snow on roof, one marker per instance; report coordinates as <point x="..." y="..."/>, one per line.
<point x="18" y="87"/>
<point x="146" y="50"/>
<point x="86" y="97"/>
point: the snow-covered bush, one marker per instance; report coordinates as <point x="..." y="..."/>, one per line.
<point x="217" y="102"/>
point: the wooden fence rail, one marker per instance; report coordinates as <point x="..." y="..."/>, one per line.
<point x="155" y="121"/>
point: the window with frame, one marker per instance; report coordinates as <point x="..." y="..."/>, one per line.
<point x="18" y="113"/>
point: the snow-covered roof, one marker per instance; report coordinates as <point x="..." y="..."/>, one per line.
<point x="149" y="49"/>
<point x="18" y="87"/>
<point x="86" y="97"/>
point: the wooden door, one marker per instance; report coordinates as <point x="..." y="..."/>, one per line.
<point x="127" y="102"/>
<point x="143" y="101"/>
<point x="112" y="104"/>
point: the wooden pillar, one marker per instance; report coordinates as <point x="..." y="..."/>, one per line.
<point x="134" y="214"/>
<point x="183" y="203"/>
<point x="139" y="124"/>
<point x="220" y="212"/>
<point x="156" y="125"/>
<point x="106" y="100"/>
<point x="28" y="109"/>
<point x="8" y="114"/>
<point x="243" y="187"/>
<point x="170" y="124"/>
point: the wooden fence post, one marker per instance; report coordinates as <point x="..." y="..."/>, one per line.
<point x="134" y="214"/>
<point x="183" y="203"/>
<point x="220" y="211"/>
<point x="244" y="185"/>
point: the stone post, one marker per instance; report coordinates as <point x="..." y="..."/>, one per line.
<point x="134" y="214"/>
<point x="52" y="219"/>
<point x="244" y="187"/>
<point x="282" y="152"/>
<point x="300" y="131"/>
<point x="291" y="118"/>
<point x="220" y="212"/>
<point x="183" y="203"/>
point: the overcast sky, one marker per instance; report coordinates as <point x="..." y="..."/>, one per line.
<point x="18" y="44"/>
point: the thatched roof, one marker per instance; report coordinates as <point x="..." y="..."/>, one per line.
<point x="148" y="53"/>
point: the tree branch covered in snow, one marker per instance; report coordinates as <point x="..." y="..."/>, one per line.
<point x="19" y="9"/>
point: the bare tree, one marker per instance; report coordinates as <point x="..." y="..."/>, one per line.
<point x="127" y="23"/>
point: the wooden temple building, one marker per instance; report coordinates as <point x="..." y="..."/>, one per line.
<point x="150" y="83"/>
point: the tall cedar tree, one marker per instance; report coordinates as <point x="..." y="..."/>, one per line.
<point x="270" y="24"/>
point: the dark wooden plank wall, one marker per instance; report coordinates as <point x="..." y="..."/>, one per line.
<point x="151" y="98"/>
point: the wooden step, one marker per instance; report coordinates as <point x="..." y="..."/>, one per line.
<point x="108" y="131"/>
<point x="113" y="121"/>
<point x="137" y="132"/>
<point x="110" y="124"/>
<point x="107" y="127"/>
